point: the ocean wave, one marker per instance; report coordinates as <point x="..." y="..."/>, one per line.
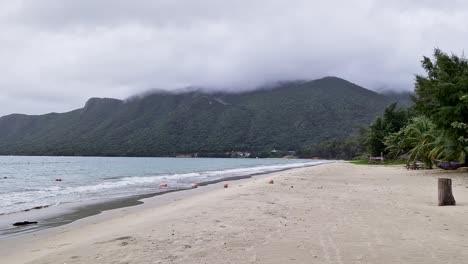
<point x="42" y="197"/>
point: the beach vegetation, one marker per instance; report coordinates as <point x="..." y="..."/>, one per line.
<point x="338" y="150"/>
<point x="435" y="128"/>
<point x="392" y="121"/>
<point x="442" y="96"/>
<point x="420" y="137"/>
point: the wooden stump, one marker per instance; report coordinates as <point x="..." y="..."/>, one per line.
<point x="445" y="192"/>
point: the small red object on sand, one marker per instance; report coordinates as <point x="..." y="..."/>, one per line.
<point x="226" y="185"/>
<point x="271" y="182"/>
<point x="163" y="185"/>
<point x="194" y="186"/>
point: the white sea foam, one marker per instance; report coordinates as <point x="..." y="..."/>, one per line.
<point x="105" y="187"/>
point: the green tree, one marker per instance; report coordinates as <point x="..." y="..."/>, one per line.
<point x="442" y="96"/>
<point x="394" y="144"/>
<point x="392" y="121"/>
<point x="448" y="148"/>
<point x="420" y="136"/>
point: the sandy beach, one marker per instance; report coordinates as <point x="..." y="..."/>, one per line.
<point x="334" y="213"/>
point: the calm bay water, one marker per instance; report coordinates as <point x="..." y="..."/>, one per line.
<point x="29" y="182"/>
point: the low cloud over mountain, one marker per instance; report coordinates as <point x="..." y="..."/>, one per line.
<point x="57" y="53"/>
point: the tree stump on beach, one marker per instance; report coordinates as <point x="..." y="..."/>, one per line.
<point x="445" y="192"/>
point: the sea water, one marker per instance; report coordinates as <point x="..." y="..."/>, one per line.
<point x="37" y="182"/>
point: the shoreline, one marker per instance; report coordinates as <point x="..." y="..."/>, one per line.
<point x="334" y="213"/>
<point x="53" y="216"/>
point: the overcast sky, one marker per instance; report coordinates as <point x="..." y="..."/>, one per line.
<point x="55" y="54"/>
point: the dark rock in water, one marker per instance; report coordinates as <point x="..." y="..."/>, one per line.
<point x="24" y="223"/>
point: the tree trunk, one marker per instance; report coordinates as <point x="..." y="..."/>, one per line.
<point x="445" y="192"/>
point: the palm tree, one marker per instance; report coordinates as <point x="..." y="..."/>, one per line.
<point x="420" y="135"/>
<point x="395" y="145"/>
<point x="447" y="148"/>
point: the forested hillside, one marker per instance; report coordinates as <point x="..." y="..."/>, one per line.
<point x="288" y="117"/>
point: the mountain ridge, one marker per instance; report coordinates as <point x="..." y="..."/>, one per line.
<point x="289" y="116"/>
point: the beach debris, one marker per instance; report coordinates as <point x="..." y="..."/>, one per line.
<point x="445" y="192"/>
<point x="36" y="208"/>
<point x="163" y="185"/>
<point x="194" y="185"/>
<point x="271" y="181"/>
<point x="226" y="185"/>
<point x="25" y="223"/>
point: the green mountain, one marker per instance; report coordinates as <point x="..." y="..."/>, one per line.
<point x="287" y="117"/>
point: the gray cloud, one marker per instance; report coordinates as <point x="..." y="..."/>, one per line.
<point x="57" y="53"/>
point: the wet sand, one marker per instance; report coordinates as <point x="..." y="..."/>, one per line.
<point x="335" y="213"/>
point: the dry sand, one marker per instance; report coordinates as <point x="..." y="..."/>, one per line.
<point x="336" y="213"/>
